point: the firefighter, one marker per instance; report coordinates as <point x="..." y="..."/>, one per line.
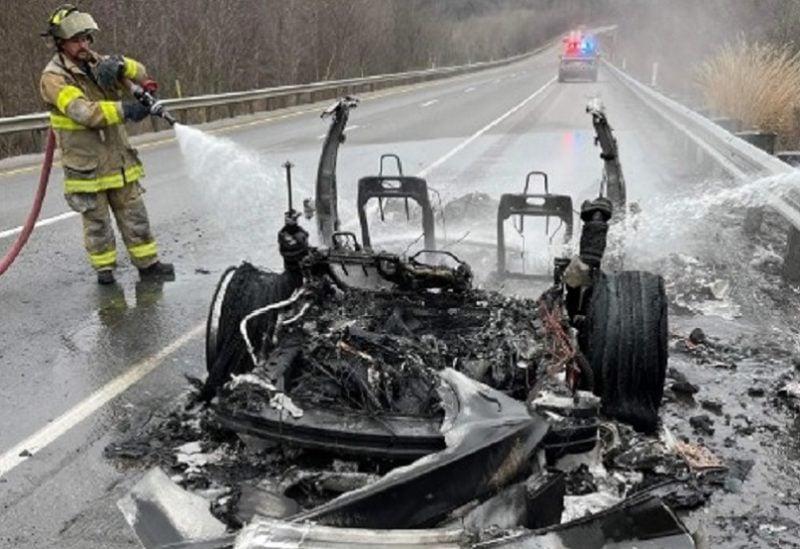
<point x="89" y="105"/>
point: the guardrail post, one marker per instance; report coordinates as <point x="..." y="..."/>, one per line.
<point x="37" y="140"/>
<point x="790" y="157"/>
<point x="733" y="125"/>
<point x="729" y="124"/>
<point x="754" y="217"/>
<point x="763" y="140"/>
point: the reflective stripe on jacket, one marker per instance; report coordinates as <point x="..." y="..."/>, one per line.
<point x="89" y="126"/>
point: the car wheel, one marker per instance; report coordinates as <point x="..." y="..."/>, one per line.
<point x="214" y="314"/>
<point x="240" y="291"/>
<point x="624" y="338"/>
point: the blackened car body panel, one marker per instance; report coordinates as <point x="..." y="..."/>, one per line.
<point x="490" y="438"/>
<point x="639" y="522"/>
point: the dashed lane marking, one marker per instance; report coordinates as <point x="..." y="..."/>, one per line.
<point x="370" y="97"/>
<point x="461" y="146"/>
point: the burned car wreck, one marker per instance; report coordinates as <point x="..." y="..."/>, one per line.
<point x="367" y="398"/>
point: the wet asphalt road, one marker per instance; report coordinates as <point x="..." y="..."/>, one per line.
<point x="64" y="339"/>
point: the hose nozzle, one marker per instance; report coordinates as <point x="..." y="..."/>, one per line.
<point x="148" y="100"/>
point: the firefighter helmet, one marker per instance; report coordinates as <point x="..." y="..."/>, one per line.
<point x="67" y="22"/>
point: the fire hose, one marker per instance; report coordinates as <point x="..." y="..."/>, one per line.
<point x="144" y="94"/>
<point x="145" y="97"/>
<point x="30" y="222"/>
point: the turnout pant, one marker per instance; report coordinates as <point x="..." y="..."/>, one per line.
<point x="131" y="215"/>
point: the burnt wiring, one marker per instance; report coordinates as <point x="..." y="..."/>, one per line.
<point x="294" y="298"/>
<point x="566" y="357"/>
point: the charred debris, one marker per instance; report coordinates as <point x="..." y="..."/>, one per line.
<point x="362" y="398"/>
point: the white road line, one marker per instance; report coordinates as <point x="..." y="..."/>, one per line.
<point x="483" y="130"/>
<point x="461" y="146"/>
<point x="470" y="89"/>
<point x="347" y="129"/>
<point x="429" y="103"/>
<point x="42" y="223"/>
<point x="69" y="419"/>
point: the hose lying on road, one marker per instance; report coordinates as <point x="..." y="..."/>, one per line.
<point x="16" y="248"/>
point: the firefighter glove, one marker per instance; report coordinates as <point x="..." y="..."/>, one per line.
<point x="134" y="111"/>
<point x="109" y="71"/>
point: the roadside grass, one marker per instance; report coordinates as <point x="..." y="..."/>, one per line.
<point x="756" y="83"/>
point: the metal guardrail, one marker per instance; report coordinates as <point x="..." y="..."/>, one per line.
<point x="737" y="157"/>
<point x="40" y="121"/>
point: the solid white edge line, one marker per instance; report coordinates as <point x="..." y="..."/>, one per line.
<point x="373" y="207"/>
<point x="69" y="419"/>
<point x="42" y="223"/>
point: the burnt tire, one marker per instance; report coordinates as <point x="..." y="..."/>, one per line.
<point x="624" y="338"/>
<point x="214" y="314"/>
<point x="240" y="291"/>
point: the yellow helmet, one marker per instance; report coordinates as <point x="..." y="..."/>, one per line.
<point x="67" y="22"/>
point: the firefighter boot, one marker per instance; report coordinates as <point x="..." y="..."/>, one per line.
<point x="105" y="277"/>
<point x="158" y="270"/>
